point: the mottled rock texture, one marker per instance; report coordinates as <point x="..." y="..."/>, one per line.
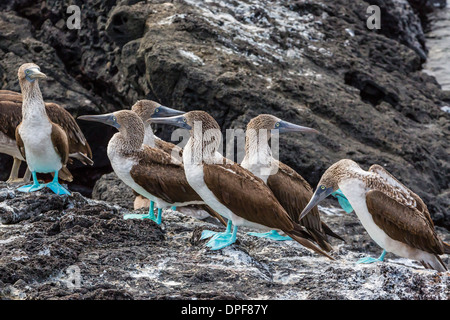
<point x="43" y="237"/>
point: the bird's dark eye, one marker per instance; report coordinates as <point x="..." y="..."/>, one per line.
<point x="322" y="187"/>
<point x="277" y="125"/>
<point x="157" y="110"/>
<point x="184" y="120"/>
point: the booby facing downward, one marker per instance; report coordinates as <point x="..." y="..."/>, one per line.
<point x="151" y="172"/>
<point x="10" y="118"/>
<point x="291" y="190"/>
<point x="394" y="216"/>
<point x="41" y="142"/>
<point x="232" y="191"/>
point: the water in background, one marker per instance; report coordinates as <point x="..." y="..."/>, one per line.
<point x="438" y="43"/>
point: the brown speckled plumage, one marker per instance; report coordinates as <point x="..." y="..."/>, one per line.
<point x="394" y="208"/>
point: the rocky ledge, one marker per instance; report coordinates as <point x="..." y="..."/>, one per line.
<point x="47" y="240"/>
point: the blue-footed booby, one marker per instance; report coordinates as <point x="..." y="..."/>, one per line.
<point x="394" y="216"/>
<point x="41" y="142"/>
<point x="226" y="187"/>
<point x="150" y="172"/>
<point x="290" y="188"/>
<point x="147" y="109"/>
<point x="10" y="118"/>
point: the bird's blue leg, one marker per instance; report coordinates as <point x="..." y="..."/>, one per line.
<point x="32" y="187"/>
<point x="56" y="187"/>
<point x="208" y="233"/>
<point x="342" y="199"/>
<point x="273" y="235"/>
<point x="150" y="215"/>
<point x="222" y="240"/>
<point x="159" y="217"/>
<point x="174" y="208"/>
<point x="371" y="260"/>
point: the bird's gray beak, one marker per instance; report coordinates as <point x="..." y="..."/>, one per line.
<point x="163" y="111"/>
<point x="319" y="195"/>
<point x="178" y="121"/>
<point x="290" y="127"/>
<point x="109" y="119"/>
<point x="34" y="73"/>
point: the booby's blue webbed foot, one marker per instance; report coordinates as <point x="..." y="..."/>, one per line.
<point x="174" y="208"/>
<point x="208" y="233"/>
<point x="32" y="187"/>
<point x="150" y="215"/>
<point x="222" y="240"/>
<point x="56" y="187"/>
<point x="368" y="260"/>
<point x="273" y="235"/>
<point x="342" y="199"/>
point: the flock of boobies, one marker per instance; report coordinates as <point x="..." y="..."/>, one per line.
<point x="279" y="204"/>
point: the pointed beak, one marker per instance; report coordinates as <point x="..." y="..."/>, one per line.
<point x="163" y="111"/>
<point x="35" y="73"/>
<point x="318" y="196"/>
<point x="108" y="119"/>
<point x="177" y="121"/>
<point x="290" y="127"/>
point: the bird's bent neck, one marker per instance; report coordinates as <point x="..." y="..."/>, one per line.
<point x="33" y="106"/>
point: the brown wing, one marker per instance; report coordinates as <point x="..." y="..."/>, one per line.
<point x="58" y="115"/>
<point x="293" y="192"/>
<point x="11" y="97"/>
<point x="10" y="117"/>
<point x="156" y="173"/>
<point x="229" y="182"/>
<point x="403" y="223"/>
<point x="168" y="147"/>
<point x="249" y="197"/>
<point x="19" y="141"/>
<point x="10" y="92"/>
<point x="404" y="194"/>
<point x="60" y="143"/>
<point x="76" y="139"/>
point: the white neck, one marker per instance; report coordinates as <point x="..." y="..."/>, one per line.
<point x="258" y="157"/>
<point x="149" y="138"/>
<point x="201" y="151"/>
<point x="33" y="106"/>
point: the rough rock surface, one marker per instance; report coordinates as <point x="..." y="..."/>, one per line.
<point x="44" y="238"/>
<point x="312" y="63"/>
